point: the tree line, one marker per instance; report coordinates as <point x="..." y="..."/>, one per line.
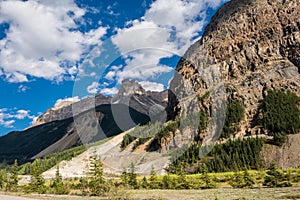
<point x="96" y="184"/>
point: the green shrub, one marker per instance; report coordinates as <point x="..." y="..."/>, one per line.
<point x="127" y="139"/>
<point x="276" y="178"/>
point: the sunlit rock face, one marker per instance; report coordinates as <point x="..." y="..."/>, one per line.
<point x="249" y="47"/>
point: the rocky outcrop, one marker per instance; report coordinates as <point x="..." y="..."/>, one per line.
<point x="286" y="156"/>
<point x="250" y="47"/>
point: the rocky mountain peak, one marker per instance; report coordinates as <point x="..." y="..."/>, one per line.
<point x="130" y="87"/>
<point x="131" y="93"/>
<point x="250" y="47"/>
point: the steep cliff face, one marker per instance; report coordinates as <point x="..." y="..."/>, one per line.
<point x="286" y="156"/>
<point x="249" y="47"/>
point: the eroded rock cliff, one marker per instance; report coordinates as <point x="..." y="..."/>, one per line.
<point x="250" y="47"/>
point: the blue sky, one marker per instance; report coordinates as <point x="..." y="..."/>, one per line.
<point x="69" y="49"/>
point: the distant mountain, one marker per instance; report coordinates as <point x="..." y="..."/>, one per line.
<point x="73" y="124"/>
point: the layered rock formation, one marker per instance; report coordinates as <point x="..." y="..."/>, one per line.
<point x="250" y="47"/>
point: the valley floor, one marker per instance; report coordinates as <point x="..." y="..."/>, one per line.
<point x="211" y="194"/>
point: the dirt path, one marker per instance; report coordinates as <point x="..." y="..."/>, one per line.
<point x="6" y="197"/>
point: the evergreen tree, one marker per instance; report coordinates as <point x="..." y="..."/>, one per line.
<point x="58" y="184"/>
<point x="144" y="183"/>
<point x="234" y="114"/>
<point x="281" y="112"/>
<point x="124" y="177"/>
<point x="132" y="180"/>
<point x="37" y="182"/>
<point x="97" y="182"/>
<point x="182" y="182"/>
<point x="167" y="182"/>
<point x="12" y="178"/>
<point x="248" y="180"/>
<point x="83" y="185"/>
<point x="153" y="179"/>
<point x="208" y="181"/>
<point x="276" y="178"/>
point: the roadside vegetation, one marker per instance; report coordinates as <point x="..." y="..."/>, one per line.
<point x="233" y="163"/>
<point x="96" y="184"/>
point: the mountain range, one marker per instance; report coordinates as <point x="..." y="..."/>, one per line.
<point x="250" y="47"/>
<point x="91" y="119"/>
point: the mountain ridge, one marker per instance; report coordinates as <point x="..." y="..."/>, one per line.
<point x="82" y="122"/>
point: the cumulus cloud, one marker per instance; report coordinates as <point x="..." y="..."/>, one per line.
<point x="93" y="88"/>
<point x="67" y="99"/>
<point x="22" y="114"/>
<point x="168" y="28"/>
<point x="109" y="91"/>
<point x="42" y="39"/>
<point x="8" y="117"/>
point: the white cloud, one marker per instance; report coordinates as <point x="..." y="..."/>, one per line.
<point x="8" y="117"/>
<point x="93" y="88"/>
<point x="34" y="120"/>
<point x="67" y="99"/>
<point x="109" y="91"/>
<point x="168" y="28"/>
<point x="152" y="86"/>
<point x="42" y="40"/>
<point x="7" y="124"/>
<point x="142" y="34"/>
<point x="110" y="75"/>
<point x="22" y="114"/>
<point x="23" y="88"/>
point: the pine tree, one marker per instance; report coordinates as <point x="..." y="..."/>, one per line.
<point x="37" y="182"/>
<point x="124" y="177"/>
<point x="58" y="184"/>
<point x="276" y="178"/>
<point x="248" y="180"/>
<point x="182" y="182"/>
<point x="153" y="179"/>
<point x="208" y="181"/>
<point x="97" y="183"/>
<point x="144" y="183"/>
<point x="12" y="178"/>
<point x="83" y="185"/>
<point x="132" y="180"/>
